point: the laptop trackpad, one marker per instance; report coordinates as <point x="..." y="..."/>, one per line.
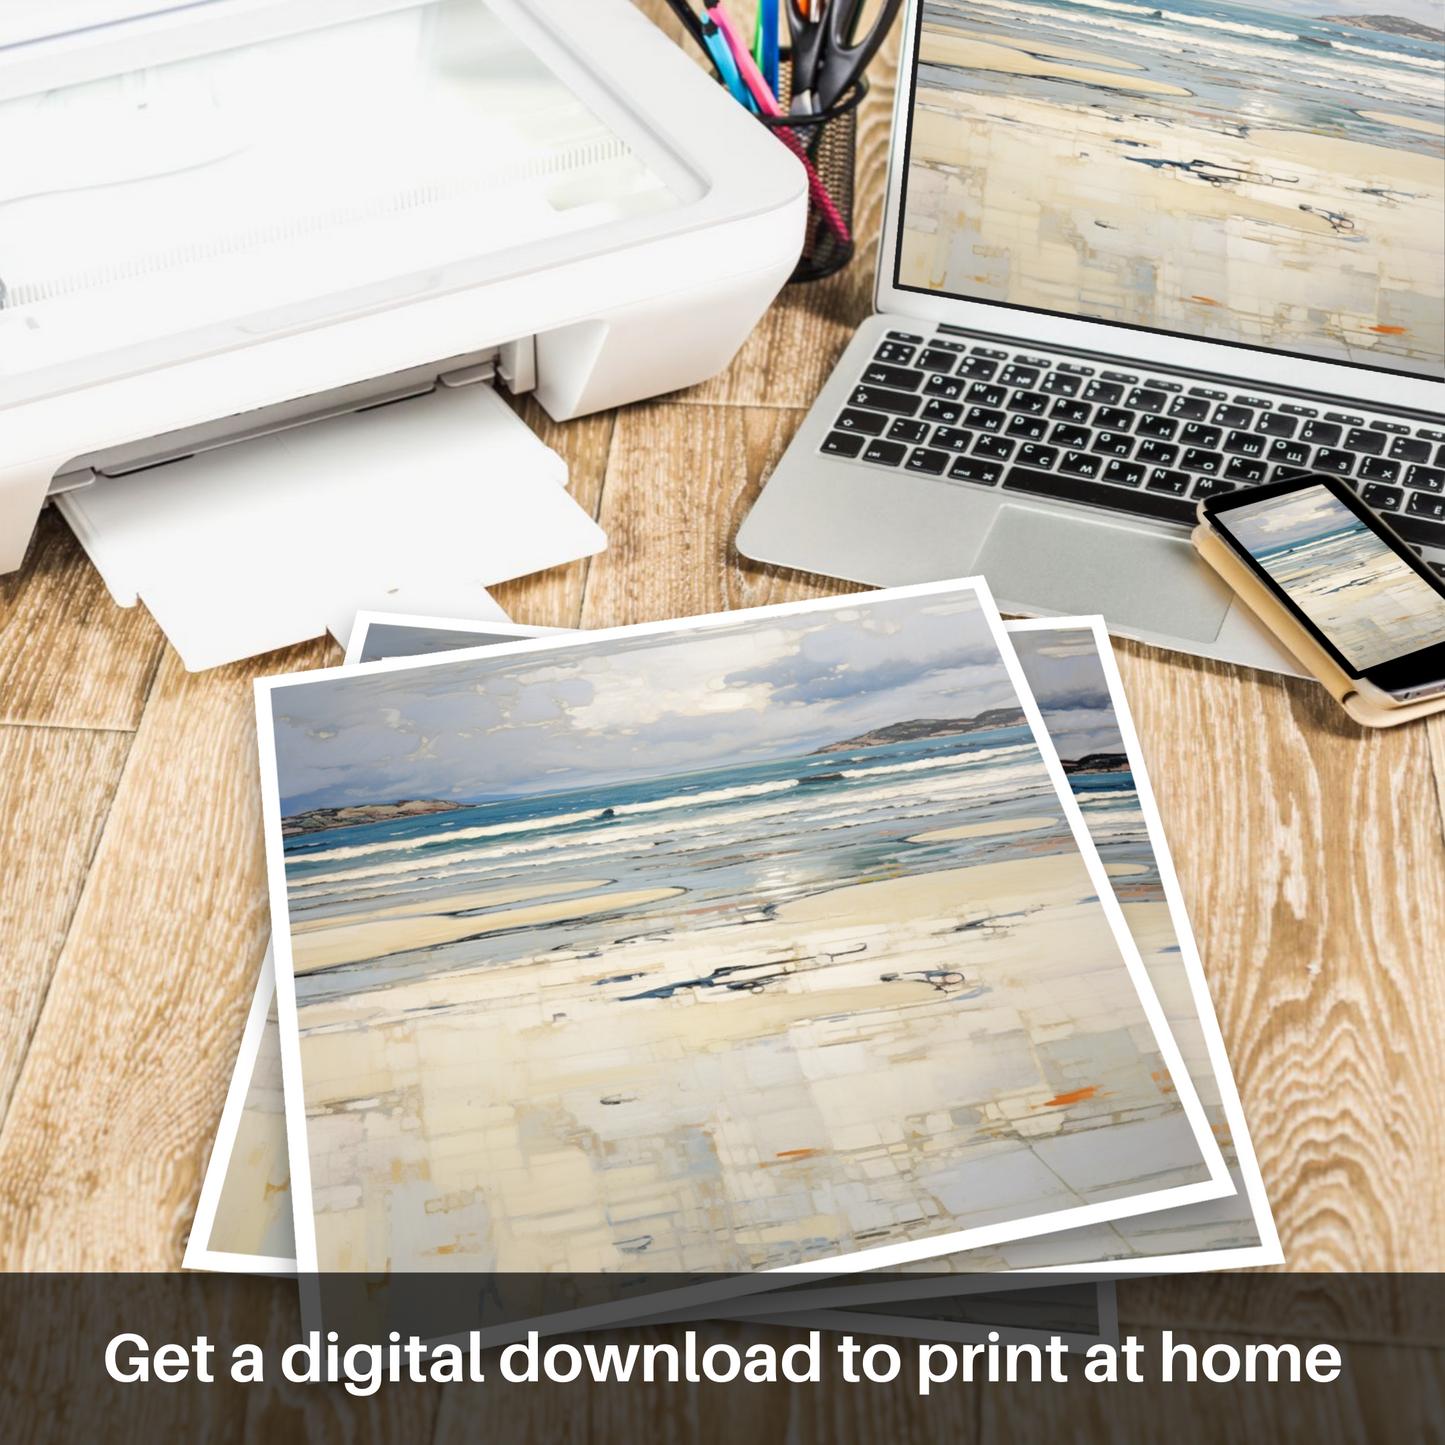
<point x="1035" y="558"/>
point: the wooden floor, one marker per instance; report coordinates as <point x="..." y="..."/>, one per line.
<point x="133" y="904"/>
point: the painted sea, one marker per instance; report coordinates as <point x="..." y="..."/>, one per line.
<point x="1231" y="171"/>
<point x="849" y="983"/>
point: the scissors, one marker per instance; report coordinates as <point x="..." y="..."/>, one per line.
<point x="827" y="54"/>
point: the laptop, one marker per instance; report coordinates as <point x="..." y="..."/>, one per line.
<point x="1132" y="257"/>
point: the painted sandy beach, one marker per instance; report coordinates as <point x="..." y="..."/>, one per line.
<point x="1360" y="594"/>
<point x="1217" y="170"/>
<point x="857" y="991"/>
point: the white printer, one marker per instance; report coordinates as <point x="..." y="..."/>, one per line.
<point x="223" y="220"/>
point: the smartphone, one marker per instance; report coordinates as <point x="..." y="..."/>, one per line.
<point x="1339" y="570"/>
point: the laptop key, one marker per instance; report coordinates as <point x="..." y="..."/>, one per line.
<point x="1418" y="530"/>
<point x="843" y="444"/>
<point x="1195" y="435"/>
<point x="886" y="454"/>
<point x="1060" y="383"/>
<point x="1124" y="474"/>
<point x="1074" y="488"/>
<point x="1113" y="444"/>
<point x="1244" y="469"/>
<point x="905" y="379"/>
<point x="953" y="438"/>
<point x="1032" y="428"/>
<point x="997" y="449"/>
<point x="1423" y="505"/>
<point x="877" y="398"/>
<point x="1081" y="464"/>
<point x="983" y="419"/>
<point x="944" y="411"/>
<point x="923" y="459"/>
<point x="1322" y="433"/>
<point x="933" y="359"/>
<point x="978" y="368"/>
<point x="1290" y="453"/>
<point x="1144" y="398"/>
<point x="1272" y="424"/>
<point x="1075" y="411"/>
<point x="972" y="469"/>
<point x="1211" y="487"/>
<point x="1114" y="418"/>
<point x="1157" y="454"/>
<point x="1427" y="479"/>
<point x="1189" y="408"/>
<point x="867" y="422"/>
<point x="1107" y="392"/>
<point x="1035" y="403"/>
<point x="1070" y="436"/>
<point x="895" y="353"/>
<point x="1199" y="460"/>
<point x="1032" y="456"/>
<point x="1377" y="469"/>
<point x="1381" y="498"/>
<point x="1156" y="426"/>
<point x="1331" y="459"/>
<point x="905" y="336"/>
<point x="904" y="429"/>
<point x="1161" y="479"/>
<point x="1372" y="443"/>
<point x="985" y="395"/>
<point x="948" y="387"/>
<point x="1226" y="415"/>
<point x="1015" y="375"/>
<point x="1408" y="449"/>
<point x="1245" y="444"/>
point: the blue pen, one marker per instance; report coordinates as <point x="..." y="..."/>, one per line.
<point x="727" y="67"/>
<point x="768" y="60"/>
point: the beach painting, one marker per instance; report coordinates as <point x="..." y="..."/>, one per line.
<point x="1366" y="599"/>
<point x="749" y="943"/>
<point x="1248" y="173"/>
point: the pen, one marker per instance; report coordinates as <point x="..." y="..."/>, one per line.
<point x="768" y="105"/>
<point x="724" y="57"/>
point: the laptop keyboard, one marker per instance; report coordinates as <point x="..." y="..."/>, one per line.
<point x="1139" y="444"/>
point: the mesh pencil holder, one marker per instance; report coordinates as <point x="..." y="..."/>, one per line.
<point x="827" y="144"/>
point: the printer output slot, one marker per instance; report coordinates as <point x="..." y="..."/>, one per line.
<point x="513" y="362"/>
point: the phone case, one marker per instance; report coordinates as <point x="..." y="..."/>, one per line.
<point x="1261" y="601"/>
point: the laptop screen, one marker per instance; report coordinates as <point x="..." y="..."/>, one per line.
<point x="1241" y="174"/>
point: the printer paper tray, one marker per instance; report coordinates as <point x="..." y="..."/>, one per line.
<point x="416" y="506"/>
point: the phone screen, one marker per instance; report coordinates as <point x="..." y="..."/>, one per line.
<point x="1365" y="599"/>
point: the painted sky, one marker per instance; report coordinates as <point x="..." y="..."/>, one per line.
<point x="1068" y="682"/>
<point x="1280" y="521"/>
<point x="587" y="713"/>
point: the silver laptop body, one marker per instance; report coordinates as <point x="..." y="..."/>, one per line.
<point x="1062" y="456"/>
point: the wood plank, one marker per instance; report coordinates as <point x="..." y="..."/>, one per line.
<point x="1356" y="1409"/>
<point x="116" y="1106"/>
<point x="706" y="1413"/>
<point x="56" y="786"/>
<point x="1311" y="857"/>
<point x="69" y="657"/>
<point x="554" y="598"/>
<point x="679" y="482"/>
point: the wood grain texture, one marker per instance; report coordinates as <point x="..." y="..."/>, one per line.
<point x="554" y="598"/>
<point x="1379" y="1395"/>
<point x="56" y="786"/>
<point x="116" y="1105"/>
<point x="1311" y="858"/>
<point x="69" y="657"/>
<point x="680" y="481"/>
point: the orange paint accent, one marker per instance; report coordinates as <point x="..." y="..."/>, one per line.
<point x="1076" y="1096"/>
<point x="794" y="1153"/>
<point x="1207" y="300"/>
<point x="1391" y="330"/>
